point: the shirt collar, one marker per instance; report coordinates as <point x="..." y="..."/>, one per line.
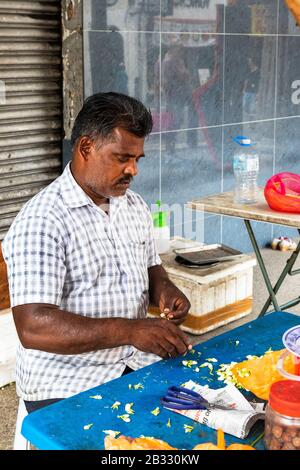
<point x="75" y="196"/>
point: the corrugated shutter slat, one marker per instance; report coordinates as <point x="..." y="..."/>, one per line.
<point x="30" y="102"/>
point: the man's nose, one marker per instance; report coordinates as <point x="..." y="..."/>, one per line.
<point x="131" y="168"/>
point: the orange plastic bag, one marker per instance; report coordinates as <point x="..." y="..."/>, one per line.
<point x="150" y="443"/>
<point x="294" y="6"/>
<point x="258" y="374"/>
<point x="282" y="192"/>
<point x="139" y="443"/>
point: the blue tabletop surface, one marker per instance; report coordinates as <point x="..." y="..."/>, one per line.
<point x="61" y="426"/>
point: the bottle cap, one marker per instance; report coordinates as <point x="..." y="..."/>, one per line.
<point x="242" y="140"/>
<point x="160" y="217"/>
<point x="285" y="398"/>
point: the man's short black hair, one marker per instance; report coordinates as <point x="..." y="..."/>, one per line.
<point x="103" y="112"/>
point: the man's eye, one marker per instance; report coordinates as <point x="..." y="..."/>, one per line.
<point x="123" y="159"/>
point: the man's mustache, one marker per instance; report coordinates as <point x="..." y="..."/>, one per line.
<point x="125" y="180"/>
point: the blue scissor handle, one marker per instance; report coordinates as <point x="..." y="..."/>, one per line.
<point x="178" y="404"/>
<point x="185" y="393"/>
<point x="181" y="398"/>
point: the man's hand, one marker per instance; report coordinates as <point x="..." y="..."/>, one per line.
<point x="159" y="337"/>
<point x="174" y="304"/>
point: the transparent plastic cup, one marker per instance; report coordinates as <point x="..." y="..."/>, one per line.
<point x="291" y="341"/>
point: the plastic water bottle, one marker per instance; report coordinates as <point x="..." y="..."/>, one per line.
<point x="245" y="168"/>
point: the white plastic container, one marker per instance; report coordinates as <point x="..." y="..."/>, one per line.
<point x="218" y="294"/>
<point x="161" y="230"/>
<point x="162" y="239"/>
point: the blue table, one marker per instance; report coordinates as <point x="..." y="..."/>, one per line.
<point x="61" y="426"/>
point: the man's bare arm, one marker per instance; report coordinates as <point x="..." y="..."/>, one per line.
<point x="158" y="282"/>
<point x="47" y="328"/>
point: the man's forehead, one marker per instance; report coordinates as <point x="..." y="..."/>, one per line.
<point x="120" y="135"/>
<point x="127" y="142"/>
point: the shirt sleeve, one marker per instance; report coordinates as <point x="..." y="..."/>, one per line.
<point x="35" y="257"/>
<point x="153" y="258"/>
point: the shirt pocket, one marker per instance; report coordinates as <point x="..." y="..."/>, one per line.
<point x="139" y="252"/>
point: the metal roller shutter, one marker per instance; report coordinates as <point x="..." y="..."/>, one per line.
<point x="30" y="102"/>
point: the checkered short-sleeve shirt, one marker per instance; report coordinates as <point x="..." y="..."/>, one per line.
<point x="62" y="249"/>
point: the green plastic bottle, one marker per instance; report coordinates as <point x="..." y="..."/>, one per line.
<point x="161" y="230"/>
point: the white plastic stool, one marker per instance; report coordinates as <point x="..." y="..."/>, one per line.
<point x="20" y="442"/>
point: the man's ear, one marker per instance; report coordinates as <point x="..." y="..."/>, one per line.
<point x="85" y="145"/>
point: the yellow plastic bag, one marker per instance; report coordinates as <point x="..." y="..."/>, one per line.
<point x="258" y="374"/>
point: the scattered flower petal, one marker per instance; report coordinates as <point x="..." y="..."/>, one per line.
<point x="188" y="428"/>
<point x="87" y="426"/>
<point x="96" y="397"/>
<point x="169" y="423"/>
<point x="128" y="408"/>
<point x="138" y="386"/>
<point x="189" y="363"/>
<point x="209" y="365"/>
<point x="156" y="411"/>
<point x="111" y="433"/>
<point x="225" y="375"/>
<point x="125" y="418"/>
<point x="116" y="405"/>
<point x="244" y="372"/>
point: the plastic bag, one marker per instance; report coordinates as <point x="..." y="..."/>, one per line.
<point x="294" y="6"/>
<point x="282" y="192"/>
<point x="259" y="373"/>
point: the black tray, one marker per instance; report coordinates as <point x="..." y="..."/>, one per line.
<point x="205" y="255"/>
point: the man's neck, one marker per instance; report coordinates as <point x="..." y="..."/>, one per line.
<point x="100" y="201"/>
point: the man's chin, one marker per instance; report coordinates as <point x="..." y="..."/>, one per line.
<point x="119" y="192"/>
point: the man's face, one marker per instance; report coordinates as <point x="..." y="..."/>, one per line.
<point x="109" y="169"/>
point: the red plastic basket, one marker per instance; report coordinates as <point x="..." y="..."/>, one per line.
<point x="282" y="192"/>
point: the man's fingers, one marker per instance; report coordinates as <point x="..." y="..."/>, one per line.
<point x="167" y="306"/>
<point x="169" y="350"/>
<point x="176" y="340"/>
<point x="179" y="333"/>
<point x="181" y="312"/>
<point x="163" y="338"/>
<point x="180" y="309"/>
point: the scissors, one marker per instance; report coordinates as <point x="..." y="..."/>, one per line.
<point x="180" y="398"/>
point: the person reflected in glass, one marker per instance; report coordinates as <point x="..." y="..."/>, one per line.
<point x="250" y="89"/>
<point x="177" y="91"/>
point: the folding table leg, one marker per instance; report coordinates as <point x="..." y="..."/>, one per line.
<point x="262" y="266"/>
<point x="287" y="270"/>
